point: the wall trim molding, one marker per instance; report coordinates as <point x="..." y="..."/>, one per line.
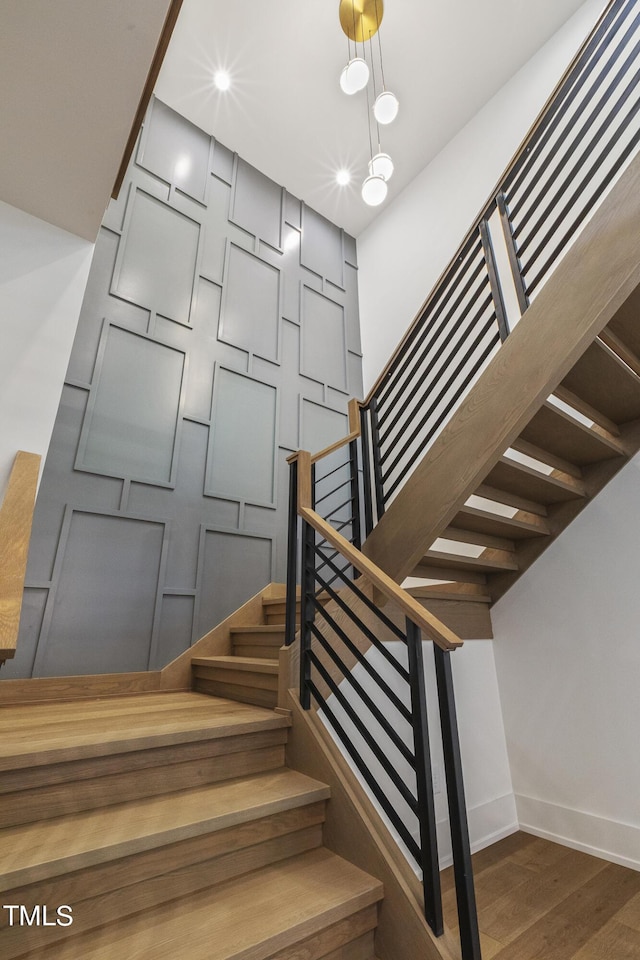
<point x="607" y="839"/>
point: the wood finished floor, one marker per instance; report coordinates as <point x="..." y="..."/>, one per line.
<point x="541" y="901"/>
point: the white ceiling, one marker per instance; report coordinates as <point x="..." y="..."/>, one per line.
<point x="286" y="114"/>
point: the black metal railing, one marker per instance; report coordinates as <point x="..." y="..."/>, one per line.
<point x="586" y="135"/>
<point x="378" y="712"/>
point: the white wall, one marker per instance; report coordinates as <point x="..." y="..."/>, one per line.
<point x="43" y="274"/>
<point x="488" y="789"/>
<point x="568" y="660"/>
<point x="404" y="251"/>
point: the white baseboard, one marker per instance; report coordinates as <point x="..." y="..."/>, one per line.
<point x="608" y="839"/>
<point x="488" y="822"/>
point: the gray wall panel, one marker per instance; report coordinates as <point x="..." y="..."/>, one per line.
<point x="175" y="150"/>
<point x="241" y="459"/>
<point x="250" y="314"/>
<point x="139" y="383"/>
<point x="257" y="204"/>
<point x="92" y="630"/>
<point x="196" y="370"/>
<point x="176" y="629"/>
<point x="323" y="340"/>
<point x="322" y="246"/>
<point x="158" y="258"/>
<point x="233" y="568"/>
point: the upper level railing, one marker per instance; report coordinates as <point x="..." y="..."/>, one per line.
<point x="588" y="131"/>
<point x="16" y="515"/>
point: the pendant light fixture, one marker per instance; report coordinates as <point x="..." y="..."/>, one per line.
<point x="360" y="21"/>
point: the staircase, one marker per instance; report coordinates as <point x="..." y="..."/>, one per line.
<point x="574" y="443"/>
<point x="250" y="673"/>
<point x="166" y="825"/>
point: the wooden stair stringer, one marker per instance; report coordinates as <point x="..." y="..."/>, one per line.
<point x="354" y="829"/>
<point x="575" y="304"/>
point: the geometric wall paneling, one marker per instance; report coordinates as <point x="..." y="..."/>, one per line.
<point x="233" y="567"/>
<point x="133" y="415"/>
<point x="291" y="274"/>
<point x="320" y="426"/>
<point x="354" y="368"/>
<point x="322" y="250"/>
<point x="251" y="304"/>
<point x="323" y="339"/>
<point x="157" y="259"/>
<point x="87" y="629"/>
<point x="351" y="308"/>
<point x="223" y="162"/>
<point x="350" y="251"/>
<point x="164" y="492"/>
<point x="215" y="221"/>
<point x="292" y="210"/>
<point x="176" y="628"/>
<point x="257" y="204"/>
<point x="205" y="317"/>
<point x="175" y="150"/>
<point x="243" y="438"/>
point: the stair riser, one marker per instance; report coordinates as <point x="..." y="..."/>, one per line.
<point x="348" y="939"/>
<point x="258" y="636"/>
<point x="51" y="801"/>
<point x="67" y="772"/>
<point x="267" y="651"/>
<point x="271" y="618"/>
<point x="243" y="850"/>
<point x="244" y="693"/>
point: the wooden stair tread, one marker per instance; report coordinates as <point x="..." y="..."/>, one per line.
<point x="45" y="849"/>
<point x="603" y="381"/>
<point x="513" y="528"/>
<point x="251" y="917"/>
<point x="520" y="480"/>
<point x="242" y="664"/>
<point x="452" y="561"/>
<point x="62" y="732"/>
<point x="563" y="436"/>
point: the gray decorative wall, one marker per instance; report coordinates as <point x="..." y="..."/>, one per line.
<point x="219" y="332"/>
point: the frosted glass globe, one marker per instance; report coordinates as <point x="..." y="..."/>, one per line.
<point x="381" y="166"/>
<point x="385" y="109"/>
<point x="374" y="190"/>
<point x="355" y="76"/>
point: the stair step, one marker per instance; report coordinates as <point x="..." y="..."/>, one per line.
<point x="248" y="679"/>
<point x="556" y="431"/>
<point x="435" y="559"/>
<point x="311" y="905"/>
<point x="105" y="769"/>
<point x="493" y="524"/>
<point x="262" y="642"/>
<point x="607" y="384"/>
<point x="274" y="610"/>
<point x="38" y="851"/>
<point x="45" y="733"/>
<point x="520" y="480"/>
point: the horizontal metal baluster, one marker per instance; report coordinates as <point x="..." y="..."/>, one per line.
<point x="369" y="778"/>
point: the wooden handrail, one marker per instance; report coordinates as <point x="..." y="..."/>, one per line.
<point x="430" y="625"/>
<point x="16" y="515"/>
<point x="354" y="433"/>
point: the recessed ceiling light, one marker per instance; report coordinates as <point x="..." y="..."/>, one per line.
<point x="222" y="80"/>
<point x="343" y="177"/>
